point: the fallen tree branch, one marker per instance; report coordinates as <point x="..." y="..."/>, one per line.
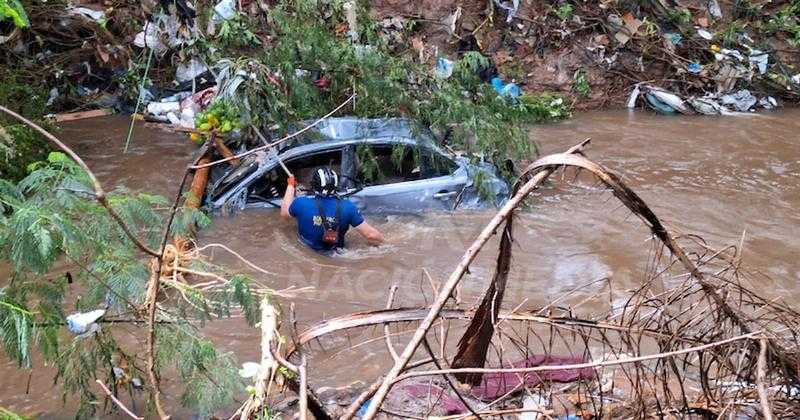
<point x="99" y="193"/>
<point x="450" y="284"/>
<point x="761" y="374"/>
<point x="601" y="363"/>
<point x="277" y="142"/>
<point x="116" y="401"/>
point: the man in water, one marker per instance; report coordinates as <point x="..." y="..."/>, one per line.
<point x="323" y="220"/>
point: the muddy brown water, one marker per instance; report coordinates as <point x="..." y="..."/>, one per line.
<point x="715" y="177"/>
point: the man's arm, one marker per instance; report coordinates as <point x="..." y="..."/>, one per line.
<point x="374" y="236"/>
<point x="288" y="197"/>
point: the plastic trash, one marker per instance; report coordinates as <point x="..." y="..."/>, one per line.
<point x="796" y="79"/>
<point x="444" y="68"/>
<point x="363" y="409"/>
<point x="727" y="53"/>
<point x="768" y="102"/>
<point x="53" y="95"/>
<point x="510" y="90"/>
<point x="705" y="34"/>
<point x="633" y="97"/>
<point x="674" y="38"/>
<point x="95" y="15"/>
<point x="159" y="108"/>
<point x="249" y="369"/>
<point x="666" y="102"/>
<point x="694" y="68"/>
<point x="759" y="59"/>
<point x="148" y="38"/>
<point x="741" y="100"/>
<point x="83" y="322"/>
<point x="188" y="71"/>
<point x="714" y="9"/>
<point x="706" y="106"/>
<point x="224" y="10"/>
<point x="510" y="7"/>
<point x="534" y="402"/>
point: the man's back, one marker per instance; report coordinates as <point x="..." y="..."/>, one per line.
<point x="310" y="226"/>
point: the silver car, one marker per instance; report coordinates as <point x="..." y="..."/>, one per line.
<point x="384" y="165"/>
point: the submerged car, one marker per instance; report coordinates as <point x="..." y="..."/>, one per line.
<point x="384" y="165"/>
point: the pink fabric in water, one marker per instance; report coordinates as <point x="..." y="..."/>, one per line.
<point x="494" y="385"/>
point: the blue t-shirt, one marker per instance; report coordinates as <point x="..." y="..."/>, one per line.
<point x="309" y="223"/>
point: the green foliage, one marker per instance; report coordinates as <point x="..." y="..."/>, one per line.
<point x="19" y="144"/>
<point x="210" y="378"/>
<point x="679" y="16"/>
<point x="6" y="414"/>
<point x="309" y="70"/>
<point x="581" y="84"/>
<point x="564" y="12"/>
<point x="12" y="9"/>
<point x="787" y="20"/>
<point x="729" y="36"/>
<point x="368" y="164"/>
<point x="236" y="32"/>
<point x="51" y="215"/>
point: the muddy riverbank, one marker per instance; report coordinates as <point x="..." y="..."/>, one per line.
<point x="716" y="177"/>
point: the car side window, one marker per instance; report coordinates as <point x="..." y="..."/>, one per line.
<point x="272" y="184"/>
<point x="389" y="164"/>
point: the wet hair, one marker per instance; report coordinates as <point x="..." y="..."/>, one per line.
<point x="325" y="181"/>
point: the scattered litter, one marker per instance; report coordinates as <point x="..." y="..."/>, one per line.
<point x="768" y="102"/>
<point x="633" y="97"/>
<point x="83" y="322"/>
<point x="694" y="68"/>
<point x="451" y="21"/>
<point x="534" y="402"/>
<point x="510" y="90"/>
<point x="665" y="102"/>
<point x="629" y="28"/>
<point x="95" y="15"/>
<point x="705" y="34"/>
<point x="161" y="108"/>
<point x="249" y="369"/>
<point x="673" y="38"/>
<point x="741" y="100"/>
<point x="796" y="79"/>
<point x="52" y="96"/>
<point x="352" y="20"/>
<point x="444" y="68"/>
<point x="714" y="9"/>
<point x="224" y="10"/>
<point x="510" y="7"/>
<point x="706" y="106"/>
<point x="726" y="53"/>
<point x="760" y="59"/>
<point x="363" y="409"/>
<point x="189" y="71"/>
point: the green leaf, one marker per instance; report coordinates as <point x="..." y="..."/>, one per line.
<point x="13" y="9"/>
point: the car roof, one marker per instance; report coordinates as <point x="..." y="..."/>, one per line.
<point x="345" y="130"/>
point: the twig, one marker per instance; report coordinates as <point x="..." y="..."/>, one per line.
<point x="386" y="332"/>
<point x="577" y="366"/>
<point x="277" y="142"/>
<point x="493" y="413"/>
<point x="761" y="374"/>
<point x="449" y="286"/>
<point x="99" y="193"/>
<point x="118" y="402"/>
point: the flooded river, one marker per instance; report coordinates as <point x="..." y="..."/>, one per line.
<point x="716" y="177"/>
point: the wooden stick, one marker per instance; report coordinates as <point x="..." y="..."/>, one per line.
<point x="269" y="326"/>
<point x="452" y="281"/>
<point x="118" y="402"/>
<point x="761" y="374"/>
<point x="386" y="332"/>
<point x="224" y="150"/>
<point x="576" y="366"/>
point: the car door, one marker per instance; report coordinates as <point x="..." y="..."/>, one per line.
<point x="405" y="177"/>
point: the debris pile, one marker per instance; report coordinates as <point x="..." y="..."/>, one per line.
<point x="694" y="338"/>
